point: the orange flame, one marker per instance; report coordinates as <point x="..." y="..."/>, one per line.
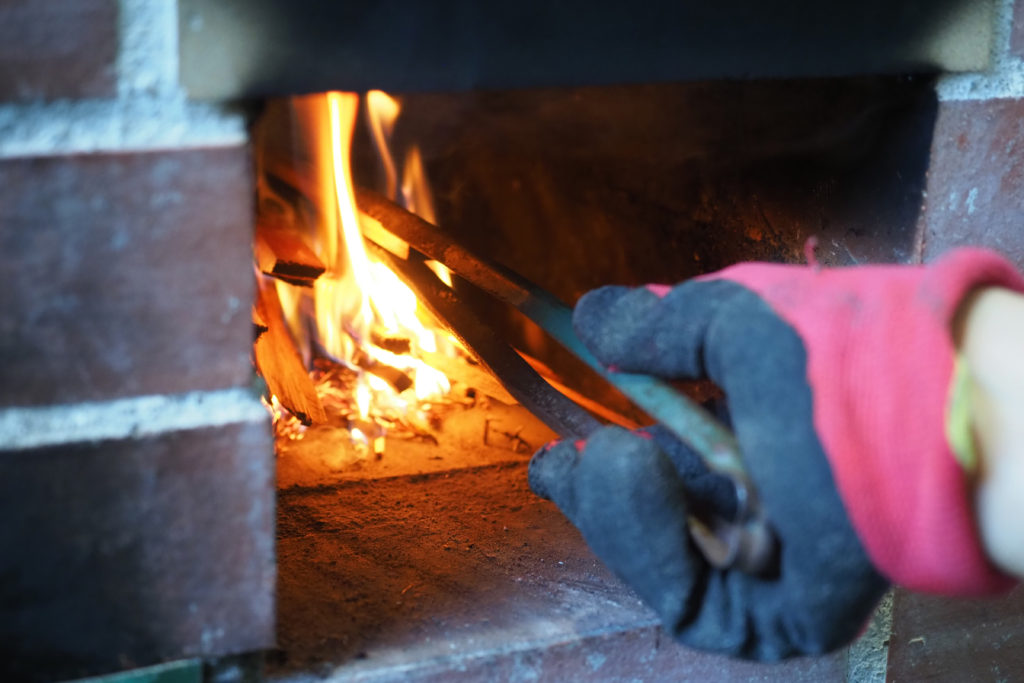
<point x="382" y="111"/>
<point x="358" y="312"/>
<point x="416" y="195"/>
<point x="357" y="299"/>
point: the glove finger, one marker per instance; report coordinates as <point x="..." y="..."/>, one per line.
<point x="646" y="330"/>
<point x="627" y="500"/>
<point x="550" y="473"/>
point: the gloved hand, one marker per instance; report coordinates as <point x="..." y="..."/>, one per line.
<point x="837" y="381"/>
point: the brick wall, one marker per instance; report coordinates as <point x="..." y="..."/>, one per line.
<point x="136" y="482"/>
<point x="975" y="195"/>
<point x="136" y="466"/>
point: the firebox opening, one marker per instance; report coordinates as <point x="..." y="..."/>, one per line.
<point x="411" y="541"/>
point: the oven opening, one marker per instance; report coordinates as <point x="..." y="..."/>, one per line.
<point x="408" y="538"/>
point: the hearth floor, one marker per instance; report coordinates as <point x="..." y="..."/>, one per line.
<point x="464" y="574"/>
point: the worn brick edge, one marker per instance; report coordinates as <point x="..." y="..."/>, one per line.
<point x="868" y="657"/>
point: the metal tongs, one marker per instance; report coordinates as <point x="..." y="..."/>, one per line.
<point x="745" y="542"/>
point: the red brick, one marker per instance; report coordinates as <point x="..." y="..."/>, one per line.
<point x="124" y="274"/>
<point x="57" y="48"/>
<point x="121" y="553"/>
<point x="976" y="178"/>
<point x="942" y="639"/>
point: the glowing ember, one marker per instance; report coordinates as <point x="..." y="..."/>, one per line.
<point x="363" y="326"/>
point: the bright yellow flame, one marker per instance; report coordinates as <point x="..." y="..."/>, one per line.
<point x="363" y="398"/>
<point x="342" y="294"/>
<point x="343" y="108"/>
<point x="394" y="296"/>
<point x="441" y="271"/>
<point x="370" y="297"/>
<point x="358" y="302"/>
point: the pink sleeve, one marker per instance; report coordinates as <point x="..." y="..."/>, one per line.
<point x="880" y="362"/>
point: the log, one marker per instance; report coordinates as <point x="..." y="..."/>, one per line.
<point x="278" y="361"/>
<point x="282" y="252"/>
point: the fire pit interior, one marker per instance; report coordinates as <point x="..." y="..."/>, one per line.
<point x="408" y="541"/>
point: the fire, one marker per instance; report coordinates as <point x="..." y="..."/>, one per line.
<point x="365" y="319"/>
<point x="383" y="111"/>
<point x="417" y="196"/>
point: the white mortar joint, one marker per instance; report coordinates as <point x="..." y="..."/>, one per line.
<point x="1005" y="75"/>
<point x="141" y="416"/>
<point x="147" y="62"/>
<point x="123" y="125"/>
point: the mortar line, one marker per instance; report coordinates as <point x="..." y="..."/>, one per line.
<point x="147" y="55"/>
<point x="97" y="126"/>
<point x="139" y="416"/>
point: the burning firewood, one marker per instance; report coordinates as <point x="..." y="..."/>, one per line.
<point x="279" y="363"/>
<point x="366" y="335"/>
<point x="282" y="252"/>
